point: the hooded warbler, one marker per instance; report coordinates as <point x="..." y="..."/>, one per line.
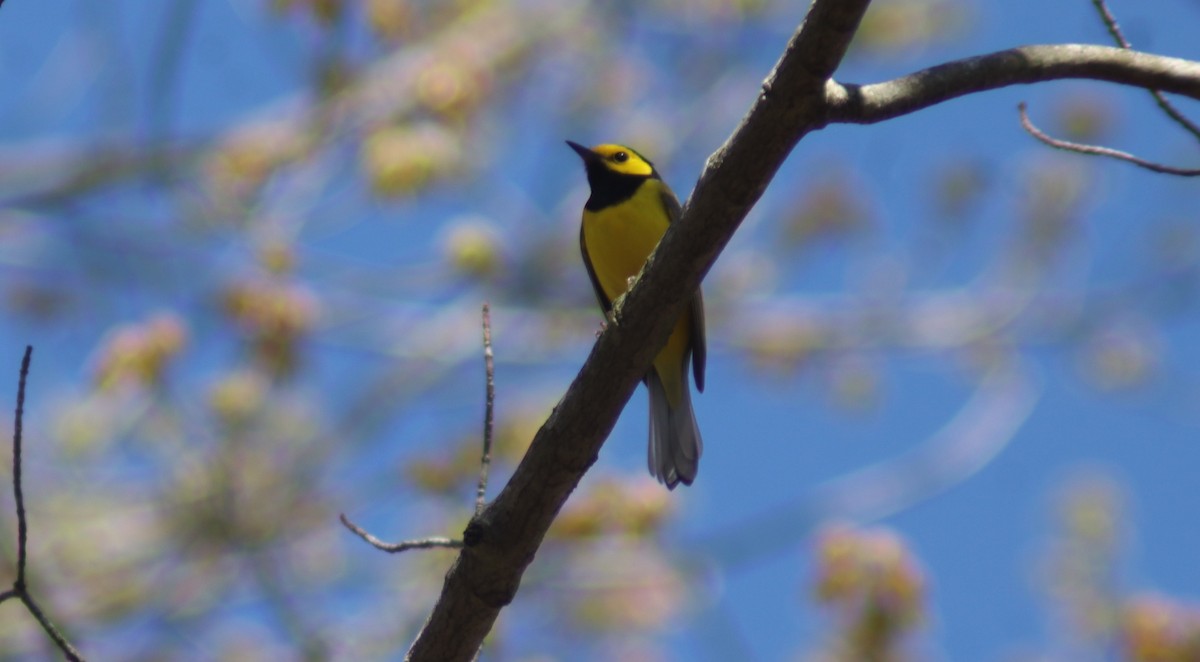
<point x="625" y="217"/>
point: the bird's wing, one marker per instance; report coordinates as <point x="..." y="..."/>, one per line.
<point x="698" y="341"/>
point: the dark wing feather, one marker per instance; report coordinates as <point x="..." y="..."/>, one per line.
<point x="699" y="343"/>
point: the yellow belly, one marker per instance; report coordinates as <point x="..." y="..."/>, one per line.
<point x="619" y="239"/>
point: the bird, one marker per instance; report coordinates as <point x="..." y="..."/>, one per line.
<point x="626" y="215"/>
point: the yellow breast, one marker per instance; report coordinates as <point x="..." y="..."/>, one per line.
<point x="621" y="237"/>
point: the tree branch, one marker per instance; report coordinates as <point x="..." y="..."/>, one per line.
<point x="868" y="104"/>
<point x="502" y="540"/>
<point x="1097" y="150"/>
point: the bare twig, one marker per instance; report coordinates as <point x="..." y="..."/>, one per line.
<point x="20" y="590"/>
<point x="18" y="492"/>
<point x="1097" y="150"/>
<point x="404" y="545"/>
<point x="61" y="641"/>
<point x="489" y="410"/>
<point x="1110" y="22"/>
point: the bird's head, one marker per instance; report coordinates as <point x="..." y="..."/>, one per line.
<point x="603" y="161"/>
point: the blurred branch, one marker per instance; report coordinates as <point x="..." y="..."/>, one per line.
<point x="172" y="44"/>
<point x="20" y="590"/>
<point x="282" y="602"/>
<point x="50" y="172"/>
<point x="868" y="104"/>
<point x="1097" y="150"/>
<point x="382" y="94"/>
<point x="1110" y="22"/>
<point x="503" y="539"/>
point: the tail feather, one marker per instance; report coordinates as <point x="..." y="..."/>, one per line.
<point x="675" y="444"/>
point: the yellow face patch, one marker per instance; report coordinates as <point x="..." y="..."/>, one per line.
<point x="620" y="159"/>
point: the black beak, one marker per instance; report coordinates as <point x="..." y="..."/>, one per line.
<point x="584" y="153"/>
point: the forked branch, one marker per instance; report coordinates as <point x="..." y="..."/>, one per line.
<point x="485" y="463"/>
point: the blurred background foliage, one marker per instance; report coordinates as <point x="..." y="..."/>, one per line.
<point x="250" y="240"/>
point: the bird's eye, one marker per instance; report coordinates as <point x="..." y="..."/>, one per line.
<point x="620" y="157"/>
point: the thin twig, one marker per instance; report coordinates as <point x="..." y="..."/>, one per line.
<point x="1110" y="22"/>
<point x="18" y="493"/>
<point x="19" y="589"/>
<point x="1097" y="150"/>
<point x="404" y="545"/>
<point x="63" y="645"/>
<point x="489" y="410"/>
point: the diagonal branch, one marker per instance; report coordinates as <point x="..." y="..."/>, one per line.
<point x="502" y="540"/>
<point x="868" y="104"/>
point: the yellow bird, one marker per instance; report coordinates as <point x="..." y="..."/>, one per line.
<point x="623" y="220"/>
